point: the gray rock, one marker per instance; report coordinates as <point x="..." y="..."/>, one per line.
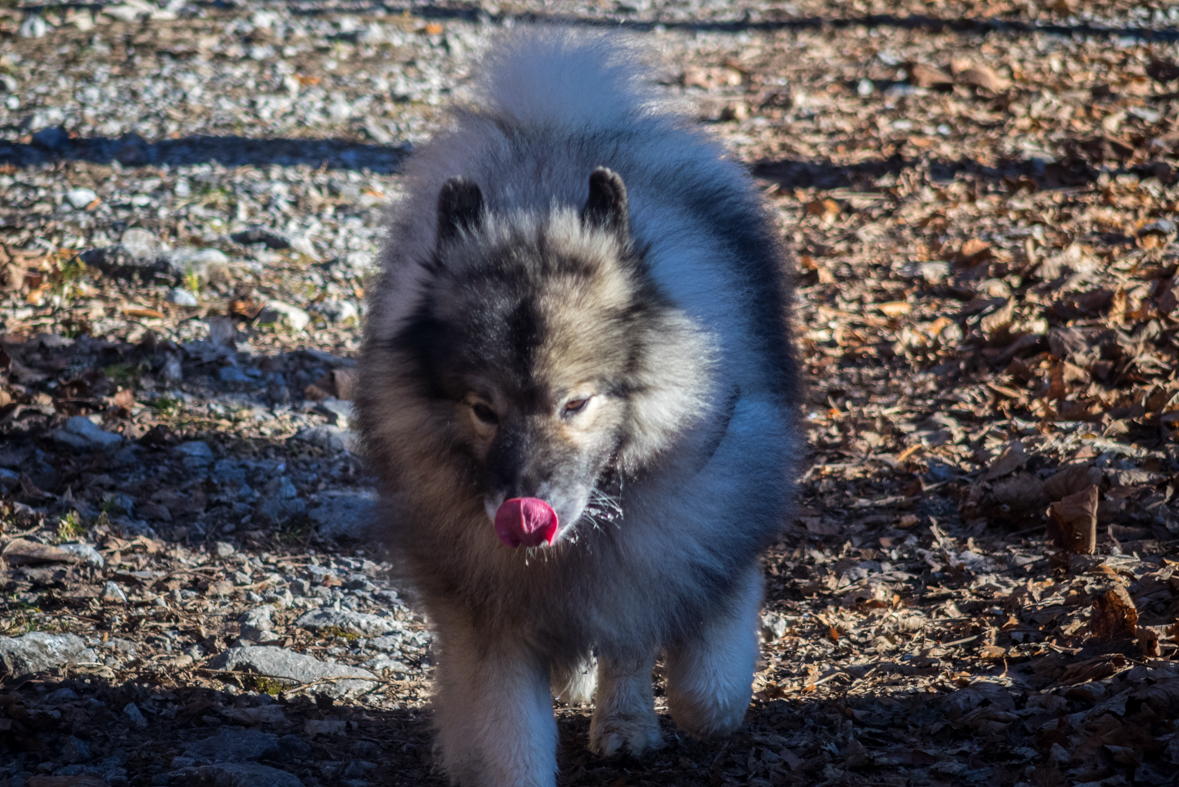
<point x="293" y="747"/>
<point x="234" y="745"/>
<point x="271" y="239"/>
<point x="773" y="626"/>
<point x="132" y="712"/>
<point x="378" y="133"/>
<point x="256" y="624"/>
<point x="223" y="550"/>
<point x="358" y="263"/>
<point x="80" y="198"/>
<point x="233" y="376"/>
<point x="201" y="263"/>
<point x="303" y="245"/>
<point x="284" y="314"/>
<point x="280" y="501"/>
<point x="232" y="774"/>
<point x="382" y="663"/>
<point x="343" y="514"/>
<point x="40" y="651"/>
<point x="33" y="27"/>
<point x="334" y="438"/>
<point x="297" y="668"/>
<point x="314" y="727"/>
<point x="118" y="502"/>
<point x="113" y="594"/>
<point x="388" y="643"/>
<point x="81" y="433"/>
<point x="356" y="622"/>
<point x="195" y="453"/>
<point x="359" y="769"/>
<point x="85" y="553"/>
<point x="229" y="471"/>
<point x="142" y="244"/>
<point x="341" y="412"/>
<point x="338" y="311"/>
<point x="182" y="297"/>
<point x="124" y="647"/>
<point x="75" y="750"/>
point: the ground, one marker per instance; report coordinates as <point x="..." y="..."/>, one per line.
<point x="979" y="585"/>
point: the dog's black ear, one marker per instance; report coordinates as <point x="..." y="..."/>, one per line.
<point x="460" y="208"/>
<point x="606" y="207"/>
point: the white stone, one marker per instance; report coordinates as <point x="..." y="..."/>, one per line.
<point x="80" y="198"/>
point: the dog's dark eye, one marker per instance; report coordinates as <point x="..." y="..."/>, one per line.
<point x="485" y="413"/>
<point x="574" y="406"/>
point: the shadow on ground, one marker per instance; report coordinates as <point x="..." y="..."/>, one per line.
<point x="778" y="19"/>
<point x="52" y="145"/>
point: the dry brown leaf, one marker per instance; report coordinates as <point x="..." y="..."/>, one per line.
<point x="1148" y="642"/>
<point x="1057" y="388"/>
<point x="246" y="307"/>
<point x="142" y="313"/>
<point x="1070" y="480"/>
<point x="826" y="209"/>
<point x="992" y="652"/>
<point x="344" y="381"/>
<point x="1072" y="521"/>
<point x="315" y="393"/>
<point x="807" y="262"/>
<point x="1114" y="616"/>
<point x="1013" y="458"/>
<point x="997" y="324"/>
<point x="974" y="250"/>
<point x="1020" y="491"/>
<point x="978" y="75"/>
<point x="922" y="75"/>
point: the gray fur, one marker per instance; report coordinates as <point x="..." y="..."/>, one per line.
<point x="614" y="341"/>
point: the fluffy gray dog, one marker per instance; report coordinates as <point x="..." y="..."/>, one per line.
<point x="578" y="390"/>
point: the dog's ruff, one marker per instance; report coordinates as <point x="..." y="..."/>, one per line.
<point x="581" y="306"/>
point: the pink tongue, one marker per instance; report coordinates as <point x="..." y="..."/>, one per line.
<point x="526" y="521"/>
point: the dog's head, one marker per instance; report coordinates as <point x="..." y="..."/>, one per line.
<point x="547" y="349"/>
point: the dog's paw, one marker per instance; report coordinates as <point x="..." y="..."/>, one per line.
<point x="618" y="733"/>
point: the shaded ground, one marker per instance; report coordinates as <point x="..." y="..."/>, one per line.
<point x="980" y="585"/>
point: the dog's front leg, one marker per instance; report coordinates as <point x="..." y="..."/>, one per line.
<point x="624" y="707"/>
<point x="494" y="713"/>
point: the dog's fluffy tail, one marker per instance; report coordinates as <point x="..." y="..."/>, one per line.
<point x="558" y="76"/>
